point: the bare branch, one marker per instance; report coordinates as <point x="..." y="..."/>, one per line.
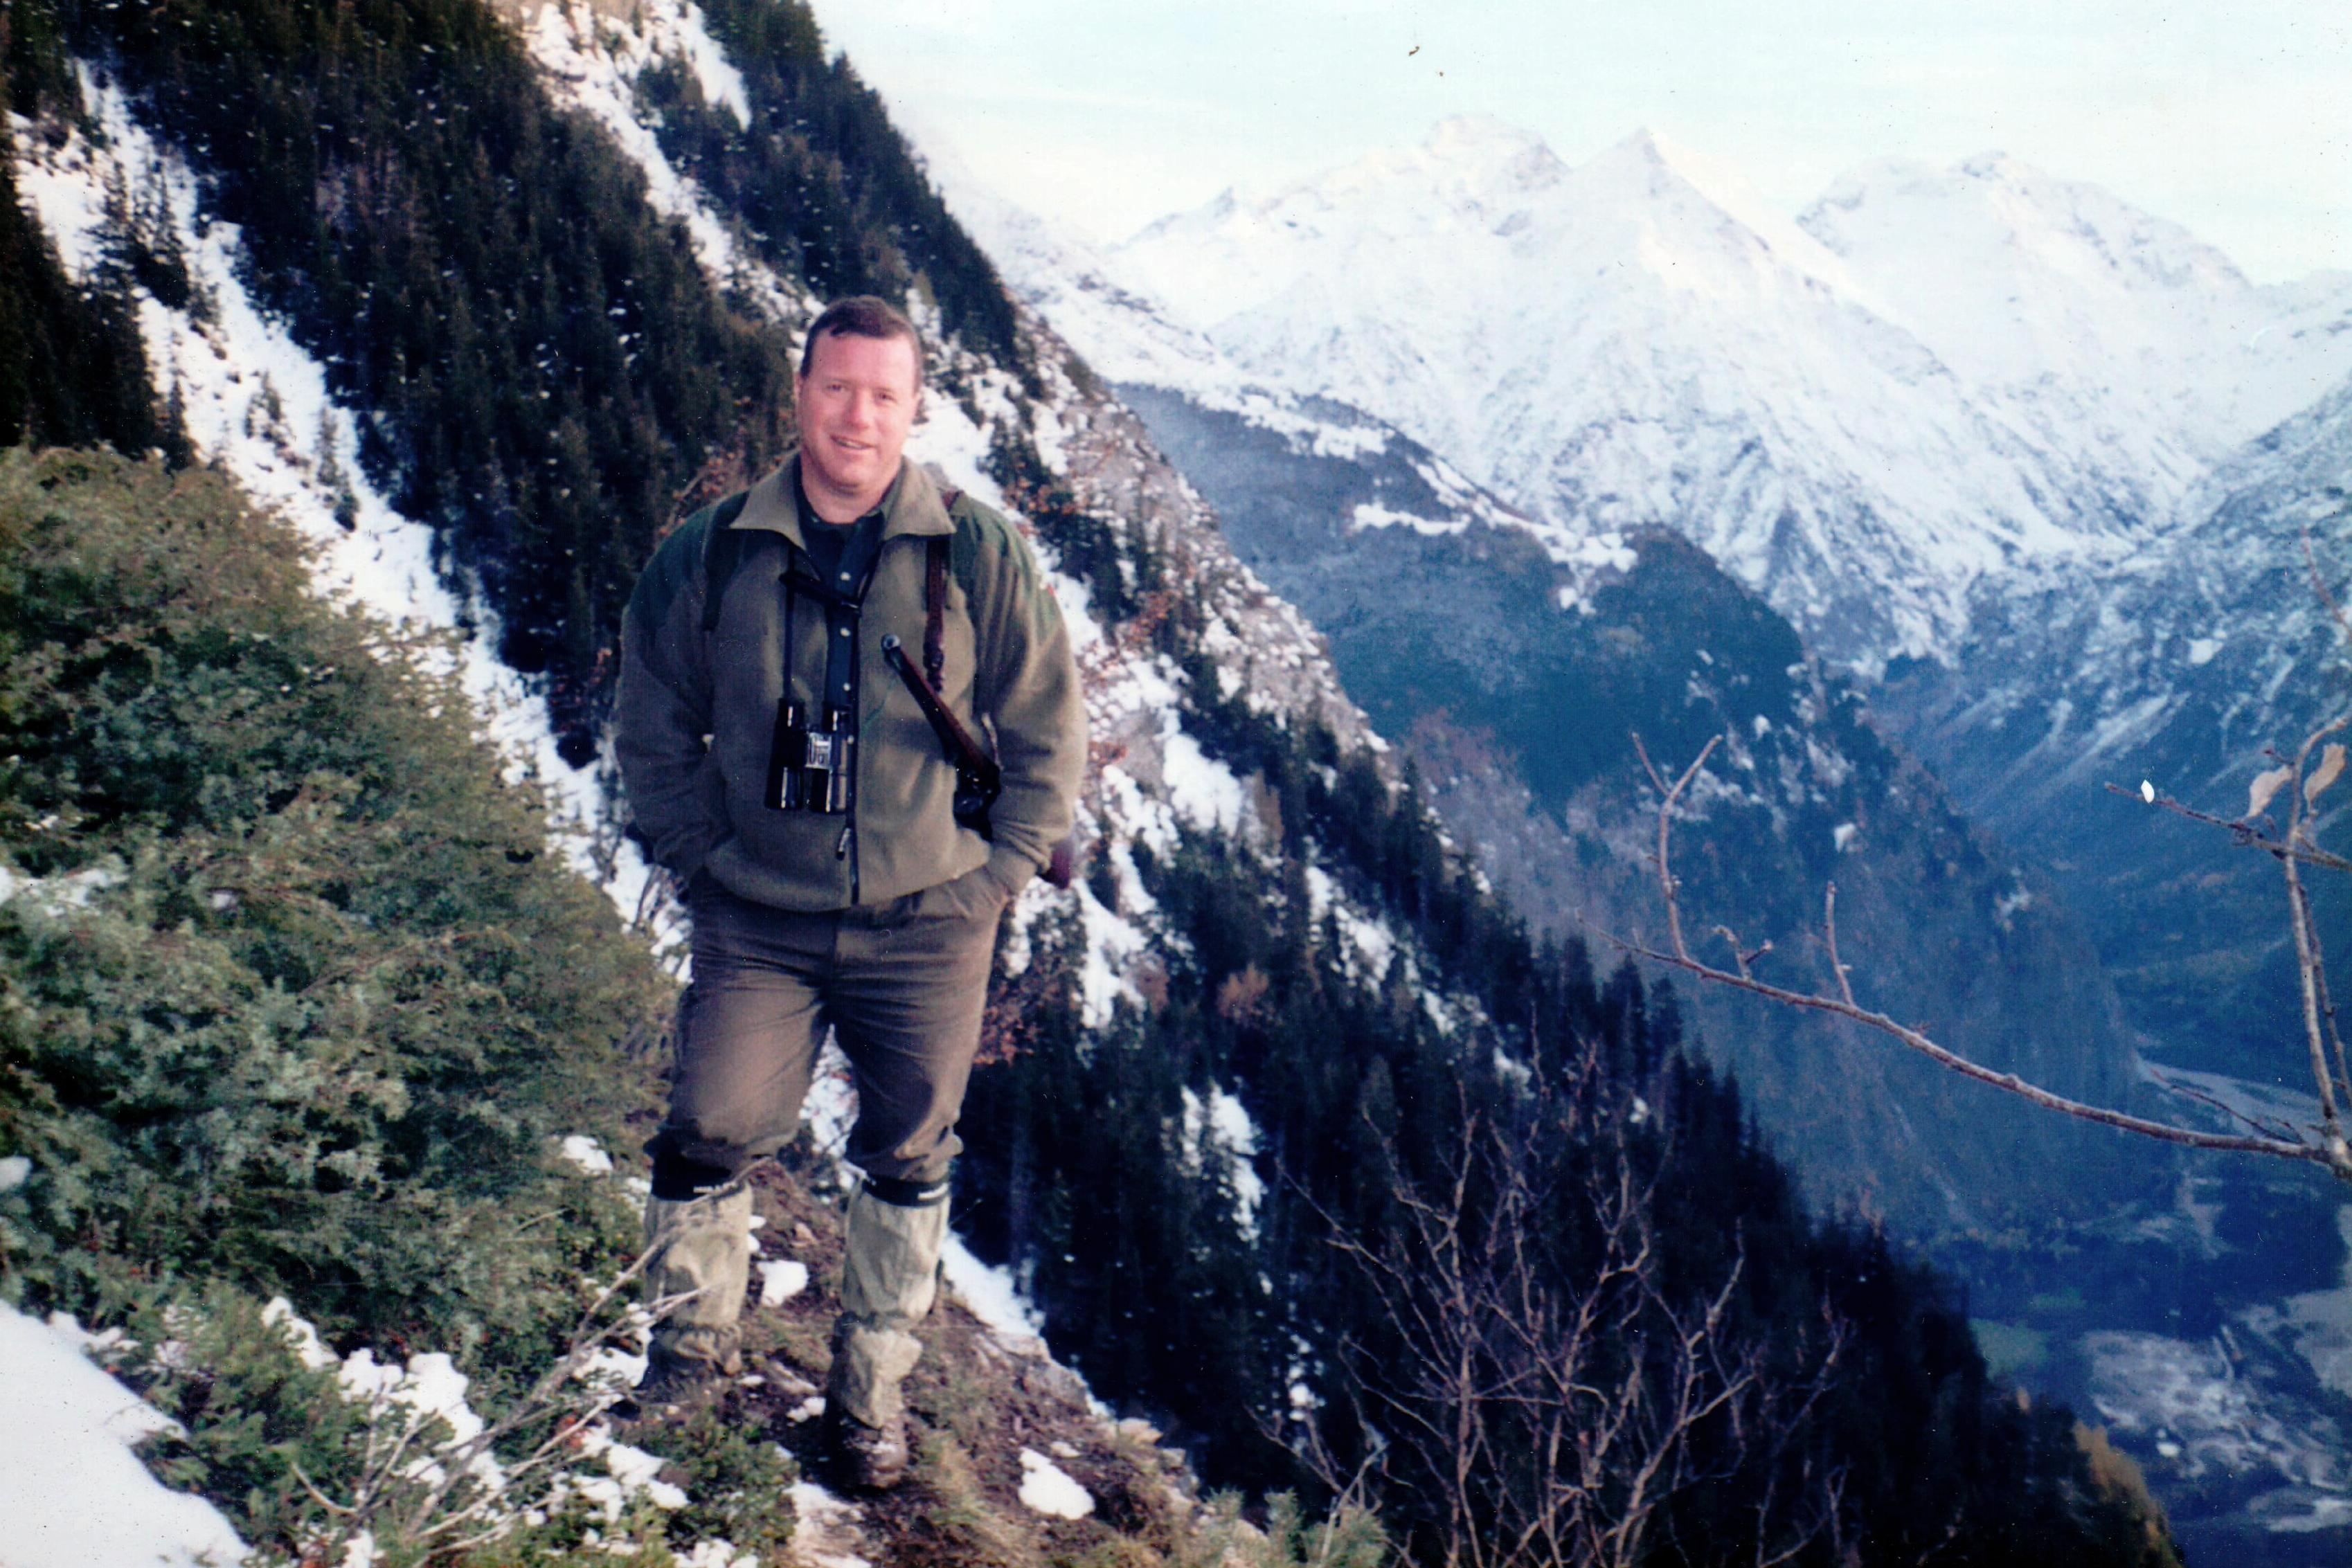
<point x="1668" y="797"/>
<point x="341" y="1510"/>
<point x="1829" y="934"/>
<point x="1745" y="960"/>
<point x="2242" y="829"/>
<point x="1546" y="1418"/>
<point x="2317" y="1017"/>
<point x="2330" y="1151"/>
<point x="2319" y="587"/>
<point x="2214" y="1103"/>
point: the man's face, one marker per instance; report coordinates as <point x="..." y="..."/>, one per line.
<point x="855" y="405"/>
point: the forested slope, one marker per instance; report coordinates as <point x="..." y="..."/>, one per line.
<point x="299" y="1004"/>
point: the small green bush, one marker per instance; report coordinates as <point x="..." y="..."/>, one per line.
<point x="738" y="1481"/>
<point x="1350" y="1538"/>
<point x="297" y="999"/>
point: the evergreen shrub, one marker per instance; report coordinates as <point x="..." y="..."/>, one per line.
<point x="293" y="994"/>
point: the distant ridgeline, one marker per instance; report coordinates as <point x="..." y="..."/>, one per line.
<point x="291" y="1000"/>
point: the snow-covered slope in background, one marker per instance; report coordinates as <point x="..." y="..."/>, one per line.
<point x="1640" y="340"/>
<point x="2091" y="321"/>
<point x="1135" y="342"/>
<point x="2182" y="665"/>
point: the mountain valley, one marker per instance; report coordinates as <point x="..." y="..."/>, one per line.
<point x="1373" y="588"/>
<point x="1300" y="359"/>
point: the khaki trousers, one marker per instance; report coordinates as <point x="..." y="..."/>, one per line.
<point x="902" y="985"/>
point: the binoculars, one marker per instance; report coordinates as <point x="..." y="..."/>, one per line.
<point x="812" y="769"/>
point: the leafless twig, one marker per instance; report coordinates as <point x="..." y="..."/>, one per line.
<point x="2266" y="1124"/>
<point x="2328" y="1149"/>
<point x="1535" y="1420"/>
<point x="417" y="1489"/>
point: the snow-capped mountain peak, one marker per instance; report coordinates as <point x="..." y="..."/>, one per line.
<point x="1696" y="213"/>
<point x="2078" y="308"/>
<point x="1466" y="188"/>
<point x="1555" y="331"/>
<point x="1933" y="379"/>
<point x="1469" y="164"/>
<point x="1467" y="137"/>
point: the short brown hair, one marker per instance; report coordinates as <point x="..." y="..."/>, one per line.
<point x="861" y="316"/>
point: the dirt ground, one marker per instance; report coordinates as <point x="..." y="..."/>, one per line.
<point x="977" y="1400"/>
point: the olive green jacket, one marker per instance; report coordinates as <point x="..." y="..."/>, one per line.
<point x="696" y="710"/>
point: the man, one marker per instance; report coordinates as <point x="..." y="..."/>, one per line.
<point x="778" y="764"/>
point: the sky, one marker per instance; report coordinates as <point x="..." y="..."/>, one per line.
<point x="2234" y="120"/>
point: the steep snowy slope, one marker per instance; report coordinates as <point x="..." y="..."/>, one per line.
<point x="254" y="400"/>
<point x="1514" y="677"/>
<point x="1632" y="342"/>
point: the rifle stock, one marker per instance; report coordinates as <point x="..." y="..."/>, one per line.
<point x="978" y="778"/>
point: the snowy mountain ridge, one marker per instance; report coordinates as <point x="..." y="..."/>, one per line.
<point x="1640" y="338"/>
<point x="2059" y="300"/>
<point x="1135" y="344"/>
<point x="2182" y="665"/>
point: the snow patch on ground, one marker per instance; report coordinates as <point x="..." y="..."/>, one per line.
<point x="78" y="1495"/>
<point x="1367" y="944"/>
<point x="716" y="1552"/>
<point x="781" y="1280"/>
<point x="1222" y="1123"/>
<point x="1113" y="945"/>
<point x="587" y="1155"/>
<point x="1048" y="1488"/>
<point x="989" y="1293"/>
<point x="427" y="1397"/>
<point x="826" y="1530"/>
<point x="1372" y="515"/>
<point x="722" y="84"/>
<point x="1441" y="1014"/>
<point x="53" y="895"/>
<point x="1203" y="791"/>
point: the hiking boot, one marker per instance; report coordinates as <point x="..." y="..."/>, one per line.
<point x="889" y="1276"/>
<point x="678" y="1387"/>
<point x="864" y="1458"/>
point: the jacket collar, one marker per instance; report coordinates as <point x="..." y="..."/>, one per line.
<point x="912" y="505"/>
